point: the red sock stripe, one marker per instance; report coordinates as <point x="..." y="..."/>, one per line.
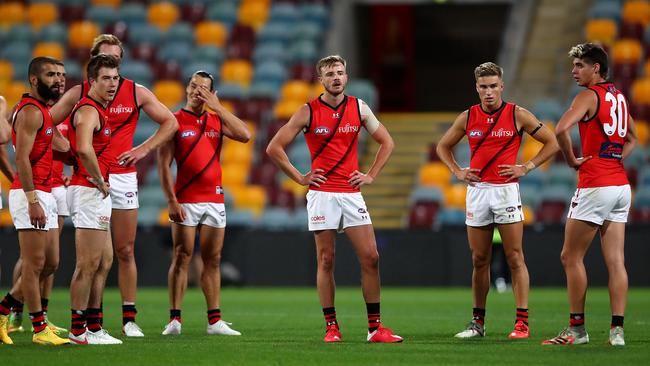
<point x="4" y="310"/>
<point x="176" y="318"/>
<point x="576" y="322"/>
<point x="128" y="314"/>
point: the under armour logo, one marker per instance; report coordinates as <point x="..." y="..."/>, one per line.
<point x="336" y="115"/>
<point x="490" y="120"/>
<point x="199" y="121"/>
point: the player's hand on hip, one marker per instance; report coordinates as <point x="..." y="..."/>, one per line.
<point x="468" y="175"/>
<point x="315" y="178"/>
<point x="101" y="185"/>
<point x="66" y="180"/>
<point x="512" y="171"/>
<point x="37" y="215"/>
<point x="358" y="179"/>
<point x="131" y="157"/>
<point x="577" y="163"/>
<point x="176" y="212"/>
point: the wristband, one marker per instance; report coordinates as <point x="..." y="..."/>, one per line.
<point x="31" y="197"/>
<point x="529" y="166"/>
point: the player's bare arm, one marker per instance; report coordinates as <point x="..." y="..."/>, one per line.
<point x="381" y="135"/>
<point x="445" y="150"/>
<point x="28" y="121"/>
<point x="64" y="105"/>
<point x="164" y="161"/>
<point x="159" y="114"/>
<point x="86" y="121"/>
<point x="584" y="105"/>
<point x="630" y="138"/>
<point x="59" y="142"/>
<point x="233" y="127"/>
<point x="5" y="129"/>
<point x="278" y="145"/>
<point x="527" y="122"/>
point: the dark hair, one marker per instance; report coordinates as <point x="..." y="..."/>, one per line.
<point x="592" y="54"/>
<point x="204" y="74"/>
<point x="99" y="61"/>
<point x="36" y="64"/>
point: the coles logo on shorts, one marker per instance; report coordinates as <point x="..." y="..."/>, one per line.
<point x="318" y="219"/>
<point x="469" y="214"/>
<point x="189" y="133"/>
<point x="103" y="219"/>
<point x="321" y="131"/>
<point x="475" y="133"/>
<point x="48" y="131"/>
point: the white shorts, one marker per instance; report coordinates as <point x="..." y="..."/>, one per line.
<point x="205" y="213"/>
<point x="88" y="209"/>
<point x="20" y="214"/>
<point x="493" y="204"/>
<point x="331" y="210"/>
<point x="61" y="197"/>
<point x="611" y="203"/>
<point x="124" y="190"/>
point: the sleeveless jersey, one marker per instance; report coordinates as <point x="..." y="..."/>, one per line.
<point x="101" y="144"/>
<point x="493" y="140"/>
<point x="59" y="157"/>
<point x="602" y="136"/>
<point x="197" y="150"/>
<point x="40" y="157"/>
<point x="123" y="113"/>
<point x="332" y="138"/>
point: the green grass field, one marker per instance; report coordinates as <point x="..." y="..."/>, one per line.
<point x="284" y="326"/>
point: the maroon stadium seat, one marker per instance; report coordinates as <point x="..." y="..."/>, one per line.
<point x="71" y="13"/>
<point x="304" y="72"/>
<point x="193" y="12"/>
<point x="118" y="29"/>
<point x="242" y="33"/>
<point x="280" y="197"/>
<point x="144" y="52"/>
<point x="550" y="212"/>
<point x="168" y="71"/>
<point x="423" y="215"/>
<point x="264" y="174"/>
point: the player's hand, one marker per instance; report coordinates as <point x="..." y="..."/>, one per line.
<point x="577" y="163"/>
<point x="131" y="157"/>
<point x="468" y="175"/>
<point x="314" y="178"/>
<point x="359" y="179"/>
<point x="37" y="215"/>
<point x="512" y="171"/>
<point x="176" y="212"/>
<point x="209" y="98"/>
<point x="66" y="180"/>
<point x="3" y="105"/>
<point x="103" y="186"/>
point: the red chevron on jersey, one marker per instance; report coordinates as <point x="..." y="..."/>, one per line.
<point x="602" y="136"/>
<point x="197" y="150"/>
<point x="40" y="157"/>
<point x="60" y="158"/>
<point x="101" y="144"/>
<point x="493" y="140"/>
<point x="332" y="137"/>
<point x="123" y="113"/>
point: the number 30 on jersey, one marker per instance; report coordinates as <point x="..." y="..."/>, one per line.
<point x="619" y="114"/>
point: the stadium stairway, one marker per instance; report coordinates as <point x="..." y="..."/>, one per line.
<point x="387" y="198"/>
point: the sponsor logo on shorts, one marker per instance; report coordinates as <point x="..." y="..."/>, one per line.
<point x="469" y="214"/>
<point x="362" y="210"/>
<point x="103" y="219"/>
<point x="475" y="133"/>
<point x="48" y="131"/>
<point x="317" y="220"/>
<point x="321" y="130"/>
<point x="186" y="134"/>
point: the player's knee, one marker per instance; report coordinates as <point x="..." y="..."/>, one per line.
<point x="480" y="260"/>
<point x="125" y="252"/>
<point x="515" y="259"/>
<point x="211" y="261"/>
<point x="89" y="266"/>
<point x="182" y="257"/>
<point x="49" y="268"/>
<point x="326" y="262"/>
<point x="567" y="258"/>
<point x="370" y="260"/>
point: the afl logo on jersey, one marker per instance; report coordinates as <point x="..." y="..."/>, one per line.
<point x="186" y="134"/>
<point x="321" y="131"/>
<point x="48" y="131"/>
<point x="475" y="133"/>
<point x="107" y="131"/>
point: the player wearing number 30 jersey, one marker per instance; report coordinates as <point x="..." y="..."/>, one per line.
<point x="602" y="199"/>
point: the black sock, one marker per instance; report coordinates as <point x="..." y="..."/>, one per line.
<point x="330" y="316"/>
<point x="175" y="314"/>
<point x="374" y="316"/>
<point x="478" y="314"/>
<point x="617" y="320"/>
<point x="44" y="303"/>
<point x="38" y="321"/>
<point x="522" y="314"/>
<point x="214" y="316"/>
<point x="92" y="319"/>
<point x="78" y="326"/>
<point x="128" y="313"/>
